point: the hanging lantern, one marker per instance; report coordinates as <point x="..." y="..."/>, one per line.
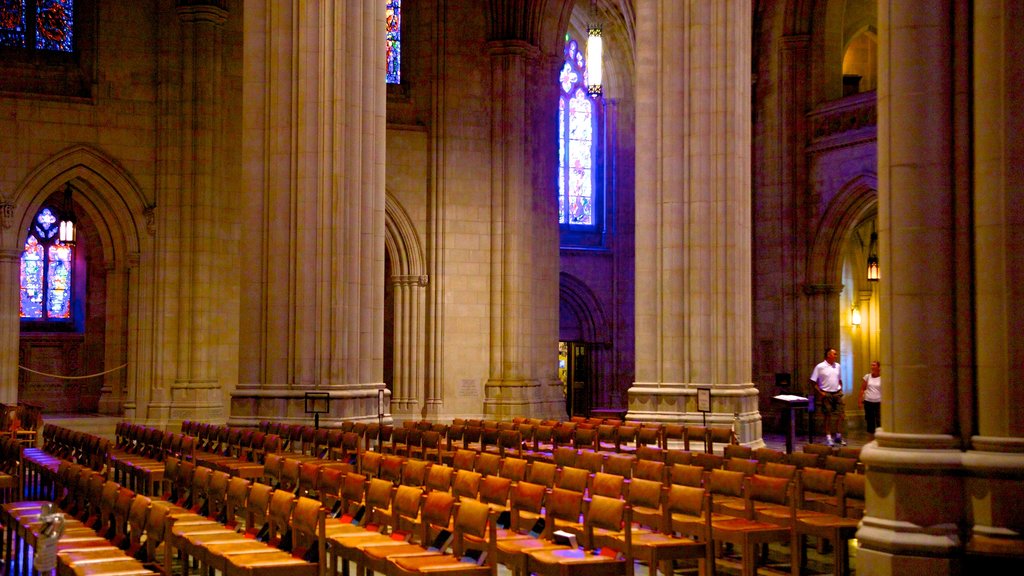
<point x="594" y="54"/>
<point x="873" y="271"/>
<point x="68" y="222"/>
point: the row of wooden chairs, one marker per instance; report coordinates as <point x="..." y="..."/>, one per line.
<point x="827" y="502"/>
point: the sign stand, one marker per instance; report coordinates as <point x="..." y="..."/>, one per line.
<point x="704" y="406"/>
<point x="317" y="403"/>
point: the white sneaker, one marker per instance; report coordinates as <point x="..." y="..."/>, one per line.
<point x="828" y="441"/>
<point x="840" y="439"/>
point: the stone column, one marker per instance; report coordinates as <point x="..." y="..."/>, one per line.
<point x="693" y="287"/>
<point x="995" y="462"/>
<point x="112" y="391"/>
<point x="190" y="237"/>
<point x="915" y="492"/>
<point x="10" y="323"/>
<point x="408" y="392"/>
<point x="315" y="127"/>
<point x="507" y="389"/>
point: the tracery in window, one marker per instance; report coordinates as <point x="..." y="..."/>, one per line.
<point x="38" y="24"/>
<point x="579" y="193"/>
<point x="393" y="19"/>
<point x="46" y="271"/>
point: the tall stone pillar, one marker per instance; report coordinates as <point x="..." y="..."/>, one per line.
<point x="190" y="242"/>
<point x="995" y="461"/>
<point x="112" y="391"/>
<point x="314" y="125"/>
<point x="408" y="392"/>
<point x="10" y="323"/>
<point x="693" y="284"/>
<point x="915" y="492"/>
<point x="520" y="254"/>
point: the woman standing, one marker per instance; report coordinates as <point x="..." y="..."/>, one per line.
<point x="871" y="398"/>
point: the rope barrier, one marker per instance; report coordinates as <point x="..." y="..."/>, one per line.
<point x="26" y="369"/>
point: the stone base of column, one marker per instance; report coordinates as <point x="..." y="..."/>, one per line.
<point x="251" y="405"/>
<point x="109" y="404"/>
<point x="506" y="399"/>
<point x="677" y="403"/>
<point x="200" y="400"/>
<point x="405" y="410"/>
<point x="433" y="410"/>
<point x="879" y="563"/>
<point x="995" y="488"/>
<point x="915" y="505"/>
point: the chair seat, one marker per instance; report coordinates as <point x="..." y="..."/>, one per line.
<point x="408" y="565"/>
<point x="124" y="567"/>
<point x="572" y="561"/>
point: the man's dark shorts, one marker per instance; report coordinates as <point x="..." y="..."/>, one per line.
<point x="832" y="403"/>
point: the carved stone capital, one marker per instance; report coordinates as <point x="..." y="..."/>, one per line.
<point x="6" y="213"/>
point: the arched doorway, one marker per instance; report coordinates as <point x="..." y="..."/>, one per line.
<point x="113" y="219"/>
<point x="584" y="347"/>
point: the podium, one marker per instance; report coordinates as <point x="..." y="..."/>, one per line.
<point x="790" y="404"/>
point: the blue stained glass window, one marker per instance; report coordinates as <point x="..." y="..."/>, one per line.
<point x="46" y="271"/>
<point x="393" y="19"/>
<point x="38" y="24"/>
<point x="54" y="30"/>
<point x="12" y="23"/>
<point x="577" y="126"/>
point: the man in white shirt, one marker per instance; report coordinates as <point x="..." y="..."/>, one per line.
<point x="829" y="387"/>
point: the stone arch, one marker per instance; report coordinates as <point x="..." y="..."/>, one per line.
<point x="584" y="304"/>
<point x="408" y="281"/>
<point x="854" y="201"/>
<point x="116" y="206"/>
<point x="577" y="298"/>
<point x="112" y="199"/>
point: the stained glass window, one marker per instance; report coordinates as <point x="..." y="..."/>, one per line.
<point x="393" y="18"/>
<point x="577" y="192"/>
<point x="46" y="271"/>
<point x="37" y="24"/>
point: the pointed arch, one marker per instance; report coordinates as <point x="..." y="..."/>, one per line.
<point x="851" y="204"/>
<point x="408" y="280"/>
<point x="584" y="304"/>
<point x="118" y="210"/>
<point x="111" y="198"/>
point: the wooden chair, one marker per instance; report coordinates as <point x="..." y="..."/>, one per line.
<point x="439" y="478"/>
<point x="661" y="547"/>
<point x="542" y="473"/>
<point x="574" y="479"/>
<point x="604" y="514"/>
<point x="514" y="469"/>
<point x="837" y="529"/>
<point x="608" y="485"/>
<point x="474" y="529"/>
<point x="650" y="470"/>
<point x="687" y="475"/>
<point x="620" y="464"/>
<point x="749" y="534"/>
<point x="466" y="484"/>
<point x="436" y="515"/>
<point x="747" y="467"/>
<point x="765" y="455"/>
<point x="738" y="451"/>
<point x="695" y="438"/>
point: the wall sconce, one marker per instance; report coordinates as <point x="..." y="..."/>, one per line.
<point x="873" y="271"/>
<point x="854" y="316"/>
<point x="68" y="223"/>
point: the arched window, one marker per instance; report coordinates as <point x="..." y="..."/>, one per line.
<point x="393" y="18"/>
<point x="38" y="24"/>
<point x="580" y="194"/>
<point x="46" y="271"/>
